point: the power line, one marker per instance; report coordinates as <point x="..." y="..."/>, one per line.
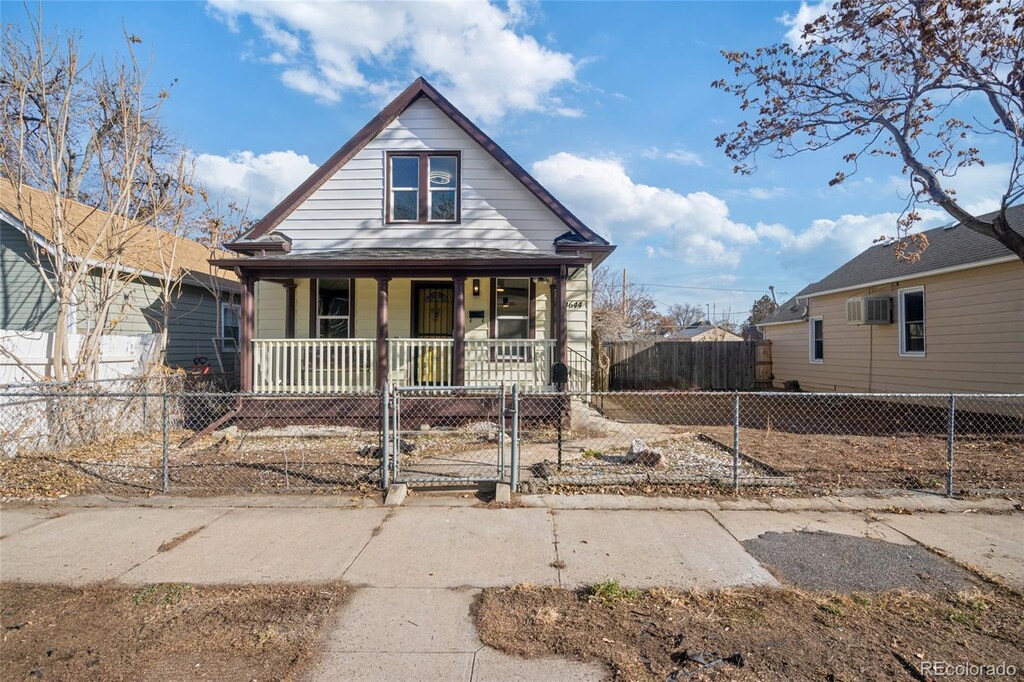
<point x="679" y="286"/>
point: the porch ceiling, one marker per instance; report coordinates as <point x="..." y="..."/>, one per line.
<point x="403" y="262"/>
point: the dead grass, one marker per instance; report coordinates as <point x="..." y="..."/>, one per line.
<point x="163" y="632"/>
<point x="753" y="633"/>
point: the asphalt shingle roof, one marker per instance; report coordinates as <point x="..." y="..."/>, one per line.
<point x="948" y="247"/>
<point x="790" y="311"/>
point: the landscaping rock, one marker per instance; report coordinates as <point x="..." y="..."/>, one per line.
<point x="543" y="469"/>
<point x="641" y="453"/>
<point x="370" y="450"/>
<point x="488" y="431"/>
<point x="424" y="427"/>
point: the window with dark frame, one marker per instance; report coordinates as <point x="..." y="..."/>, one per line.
<point x="230" y="325"/>
<point x="423" y="187"/>
<point x="332" y="308"/>
<point x="817" y="339"/>
<point x="912" y="322"/>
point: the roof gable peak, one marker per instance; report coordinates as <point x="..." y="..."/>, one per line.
<point x="417" y="89"/>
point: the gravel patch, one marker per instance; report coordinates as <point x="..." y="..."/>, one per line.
<point x="846" y="563"/>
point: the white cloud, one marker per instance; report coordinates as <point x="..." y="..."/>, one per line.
<point x="682" y="156"/>
<point x="759" y="193"/>
<point x="796" y="22"/>
<point x="259" y="180"/>
<point x="696" y="226"/>
<point x="979" y="189"/>
<point x="849" y="234"/>
<point x="475" y="51"/>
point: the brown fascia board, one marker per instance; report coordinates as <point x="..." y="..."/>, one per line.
<point x="419" y="88"/>
<point x="272" y="268"/>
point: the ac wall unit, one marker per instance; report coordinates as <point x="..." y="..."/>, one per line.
<point x="869" y="310"/>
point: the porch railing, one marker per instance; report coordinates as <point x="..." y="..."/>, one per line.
<point x="420" y="362"/>
<point x="313" y="365"/>
<point x="282" y="366"/>
<point x="526" y="362"/>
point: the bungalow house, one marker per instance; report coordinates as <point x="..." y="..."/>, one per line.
<point x="204" y="314"/>
<point x="419" y="254"/>
<point x="951" y="322"/>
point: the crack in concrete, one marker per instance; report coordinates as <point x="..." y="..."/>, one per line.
<point x="374" y="533"/>
<point x="558" y="564"/>
<point x="159" y="551"/>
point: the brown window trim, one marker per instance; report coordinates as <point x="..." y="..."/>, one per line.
<point x="424" y="189"/>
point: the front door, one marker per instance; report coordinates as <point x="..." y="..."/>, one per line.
<point x="433" y="317"/>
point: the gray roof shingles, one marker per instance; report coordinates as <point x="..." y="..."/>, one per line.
<point x="948" y="247"/>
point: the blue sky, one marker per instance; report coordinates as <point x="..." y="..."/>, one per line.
<point x="608" y="104"/>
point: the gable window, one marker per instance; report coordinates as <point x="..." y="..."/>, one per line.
<point x="512" y="314"/>
<point x="333" y="310"/>
<point x="817" y="339"/>
<point x="423" y="187"/>
<point x="912" y="321"/>
<point x="230" y="325"/>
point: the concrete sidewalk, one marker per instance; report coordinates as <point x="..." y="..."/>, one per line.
<point x="419" y="566"/>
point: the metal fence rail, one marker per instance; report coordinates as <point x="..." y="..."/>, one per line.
<point x="63" y="440"/>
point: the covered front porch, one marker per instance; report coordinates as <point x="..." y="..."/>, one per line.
<point x="351" y="322"/>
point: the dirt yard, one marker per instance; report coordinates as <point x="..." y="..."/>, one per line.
<point x="162" y="632"/>
<point x="754" y="633"/>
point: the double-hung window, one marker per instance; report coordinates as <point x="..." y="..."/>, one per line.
<point x="333" y="297"/>
<point x="912" y="321"/>
<point x="512" y="315"/>
<point x="816" y="341"/>
<point x="423" y="187"/>
<point x="230" y="325"/>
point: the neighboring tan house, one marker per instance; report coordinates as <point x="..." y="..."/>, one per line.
<point x="705" y="331"/>
<point x="952" y="321"/>
<point x="420" y="254"/>
<point x="200" y="322"/>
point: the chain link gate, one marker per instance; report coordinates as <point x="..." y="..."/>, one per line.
<point x="450" y="435"/>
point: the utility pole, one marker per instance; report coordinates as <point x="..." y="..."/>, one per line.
<point x="623" y="294"/>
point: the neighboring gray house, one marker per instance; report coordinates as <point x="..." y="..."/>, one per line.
<point x="204" y="313"/>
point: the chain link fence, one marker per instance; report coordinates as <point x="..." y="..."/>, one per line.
<point x="63" y="441"/>
<point x="776" y="443"/>
<point x="72" y="440"/>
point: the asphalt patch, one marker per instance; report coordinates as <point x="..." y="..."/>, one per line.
<point x="845" y="563"/>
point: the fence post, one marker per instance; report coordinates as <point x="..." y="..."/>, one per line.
<point x="514" y="474"/>
<point x="385" y="436"/>
<point x="736" y="441"/>
<point x="165" y="428"/>
<point x="950" y="430"/>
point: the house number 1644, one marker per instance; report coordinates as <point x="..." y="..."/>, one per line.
<point x="574" y="305"/>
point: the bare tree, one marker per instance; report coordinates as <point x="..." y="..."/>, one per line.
<point x="616" y="317"/>
<point x="895" y="79"/>
<point x="683" y="315"/>
<point x="85" y="132"/>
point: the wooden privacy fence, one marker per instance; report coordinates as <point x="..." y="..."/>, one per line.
<point x="675" y="364"/>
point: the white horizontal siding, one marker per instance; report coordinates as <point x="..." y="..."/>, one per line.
<point x="348" y="210"/>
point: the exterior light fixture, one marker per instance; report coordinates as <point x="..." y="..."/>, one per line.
<point x="476" y="287"/>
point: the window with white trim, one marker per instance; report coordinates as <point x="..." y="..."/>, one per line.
<point x="333" y="308"/>
<point x="912" y="327"/>
<point x="423" y="187"/>
<point x="816" y="340"/>
<point x="512" y="313"/>
<point x="230" y="325"/>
